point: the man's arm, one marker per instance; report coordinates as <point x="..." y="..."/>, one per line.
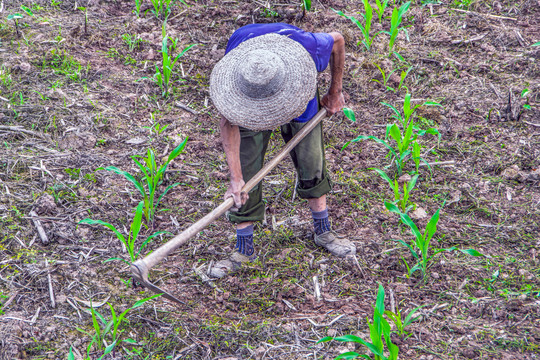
<point x="333" y="100"/>
<point x="230" y="138"/>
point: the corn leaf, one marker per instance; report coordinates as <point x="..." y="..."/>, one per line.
<point x="414" y="253"/>
<point x="107" y="225"/>
<point x="349" y="113"/>
<point x="471" y="252"/>
<point x="127" y="175"/>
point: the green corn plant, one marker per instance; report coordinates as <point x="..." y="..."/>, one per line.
<point x="404" y="137"/>
<point x="385" y="78"/>
<point x="152" y="178"/>
<point x="368" y="18"/>
<point x="381" y="6"/>
<point x="400" y="323"/>
<point x="108" y="330"/>
<point x="420" y="248"/>
<point x="85" y="11"/>
<point x="163" y="77"/>
<point x="379" y="329"/>
<point x="137" y="10"/>
<point x="400" y="199"/>
<point x="130" y="242"/>
<point x="162" y="8"/>
<point x="395" y="22"/>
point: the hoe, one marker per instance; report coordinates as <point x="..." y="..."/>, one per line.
<point x="140" y="268"/>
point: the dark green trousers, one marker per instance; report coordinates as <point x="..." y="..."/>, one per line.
<point x="307" y="156"/>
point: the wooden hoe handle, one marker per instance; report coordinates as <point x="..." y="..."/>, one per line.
<point x="140" y="268"/>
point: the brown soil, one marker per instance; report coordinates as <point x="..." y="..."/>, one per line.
<point x="71" y="102"/>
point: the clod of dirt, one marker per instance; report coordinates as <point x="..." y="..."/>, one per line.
<point x="419" y="213"/>
<point x="78" y="141"/>
<point x="45" y="205"/>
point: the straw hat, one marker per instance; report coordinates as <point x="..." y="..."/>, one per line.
<point x="265" y="82"/>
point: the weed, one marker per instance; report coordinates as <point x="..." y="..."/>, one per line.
<point x="63" y="63"/>
<point x="379" y="329"/>
<point x="129" y="243"/>
<point x="155" y="129"/>
<point x="368" y="17"/>
<point x="132" y="41"/>
<point x="15" y="17"/>
<point x="421" y="241"/>
<point x="395" y="21"/>
<point x="153" y="177"/>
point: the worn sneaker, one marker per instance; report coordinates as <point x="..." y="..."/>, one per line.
<point x="336" y="245"/>
<point x="230" y="265"/>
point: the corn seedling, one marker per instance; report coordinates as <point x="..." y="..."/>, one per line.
<point x="152" y="179"/>
<point x="129" y="243"/>
<point x="395" y="22"/>
<point x="137" y="10"/>
<point x="379" y="329"/>
<point x="400" y="323"/>
<point x="85" y="11"/>
<point x="381" y="6"/>
<point x="368" y="17"/>
<point x="408" y="111"/>
<point x="163" y="77"/>
<point x="400" y="199"/>
<point x="162" y="7"/>
<point x="420" y="248"/>
<point x="385" y="78"/>
<point x="108" y="330"/>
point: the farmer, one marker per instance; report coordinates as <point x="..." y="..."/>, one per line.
<point x="268" y="78"/>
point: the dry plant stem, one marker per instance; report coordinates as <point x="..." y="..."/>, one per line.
<point x="441" y="163"/>
<point x="51" y="290"/>
<point x="487" y="15"/>
<point x="37" y="224"/>
<point x="532" y="124"/>
<point x="20" y="129"/>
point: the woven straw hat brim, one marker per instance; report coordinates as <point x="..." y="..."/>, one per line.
<point x="290" y="101"/>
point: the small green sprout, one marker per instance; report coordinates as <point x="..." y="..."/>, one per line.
<point x="163" y="77"/>
<point x="381" y="6"/>
<point x="15" y="17"/>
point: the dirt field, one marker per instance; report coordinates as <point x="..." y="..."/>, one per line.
<point x="74" y="100"/>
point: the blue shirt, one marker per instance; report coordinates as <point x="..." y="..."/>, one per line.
<point x="318" y="45"/>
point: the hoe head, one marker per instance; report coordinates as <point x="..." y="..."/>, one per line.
<point x="139" y="271"/>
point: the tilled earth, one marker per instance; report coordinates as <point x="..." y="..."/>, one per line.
<point x="74" y="100"/>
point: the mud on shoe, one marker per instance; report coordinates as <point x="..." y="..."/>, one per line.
<point x="336" y="245"/>
<point x="225" y="267"/>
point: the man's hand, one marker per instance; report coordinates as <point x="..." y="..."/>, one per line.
<point x="235" y="191"/>
<point x="333" y="102"/>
